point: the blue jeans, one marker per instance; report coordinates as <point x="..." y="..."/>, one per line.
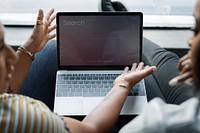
<point x="40" y="81"/>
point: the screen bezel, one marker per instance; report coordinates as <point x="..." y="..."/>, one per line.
<point x="104" y="67"/>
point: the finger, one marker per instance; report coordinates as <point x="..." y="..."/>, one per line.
<point x="140" y="66"/>
<point x="126" y="69"/>
<point x="186" y="68"/>
<point x="185" y="76"/>
<point x="145" y="72"/>
<point x="189" y="81"/>
<point x="51" y="28"/>
<point x="47" y="18"/>
<point x="52" y="36"/>
<point x="181" y="78"/>
<point x="185" y="57"/>
<point x="40" y="17"/>
<point x="52" y="18"/>
<point x="49" y="14"/>
<point x="146" y="66"/>
<point x="133" y="66"/>
<point x="188" y="61"/>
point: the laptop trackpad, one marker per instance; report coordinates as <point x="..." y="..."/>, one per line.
<point x="68" y="106"/>
<point x="89" y="103"/>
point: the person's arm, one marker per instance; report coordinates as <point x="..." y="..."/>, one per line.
<point x="103" y="117"/>
<point x="40" y="36"/>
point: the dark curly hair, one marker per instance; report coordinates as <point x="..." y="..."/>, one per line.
<point x="195" y="53"/>
<point x="196" y="66"/>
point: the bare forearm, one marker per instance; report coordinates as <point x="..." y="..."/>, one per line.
<point x="40" y="36"/>
<point x="21" y="69"/>
<point x="106" y="113"/>
<point x="103" y="117"/>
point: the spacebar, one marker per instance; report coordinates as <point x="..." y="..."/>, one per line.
<point x="94" y="94"/>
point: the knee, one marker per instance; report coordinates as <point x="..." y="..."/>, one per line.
<point x="165" y="56"/>
<point x="48" y="50"/>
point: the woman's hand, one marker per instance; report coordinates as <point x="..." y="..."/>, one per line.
<point x="184" y="66"/>
<point x="41" y="32"/>
<point x="129" y="78"/>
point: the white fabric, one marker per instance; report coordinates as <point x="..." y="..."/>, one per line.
<point x="159" y="117"/>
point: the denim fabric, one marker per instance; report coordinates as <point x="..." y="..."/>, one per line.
<point x="40" y="81"/>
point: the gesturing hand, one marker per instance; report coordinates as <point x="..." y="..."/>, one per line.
<point x="131" y="77"/>
<point x="184" y="66"/>
<point x="42" y="31"/>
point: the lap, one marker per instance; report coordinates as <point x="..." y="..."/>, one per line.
<point x="40" y="81"/>
<point x="166" y="63"/>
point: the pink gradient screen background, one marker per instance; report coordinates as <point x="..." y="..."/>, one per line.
<point x="99" y="40"/>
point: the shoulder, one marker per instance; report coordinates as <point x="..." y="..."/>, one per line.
<point x="25" y="114"/>
<point x="158" y="116"/>
<point x="15" y="98"/>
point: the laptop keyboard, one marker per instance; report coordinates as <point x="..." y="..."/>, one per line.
<point x="90" y="85"/>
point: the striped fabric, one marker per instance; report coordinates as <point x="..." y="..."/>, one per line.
<point x="26" y="115"/>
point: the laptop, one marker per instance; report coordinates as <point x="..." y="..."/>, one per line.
<point x="93" y="49"/>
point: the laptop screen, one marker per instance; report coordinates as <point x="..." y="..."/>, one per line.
<point x="99" y="39"/>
